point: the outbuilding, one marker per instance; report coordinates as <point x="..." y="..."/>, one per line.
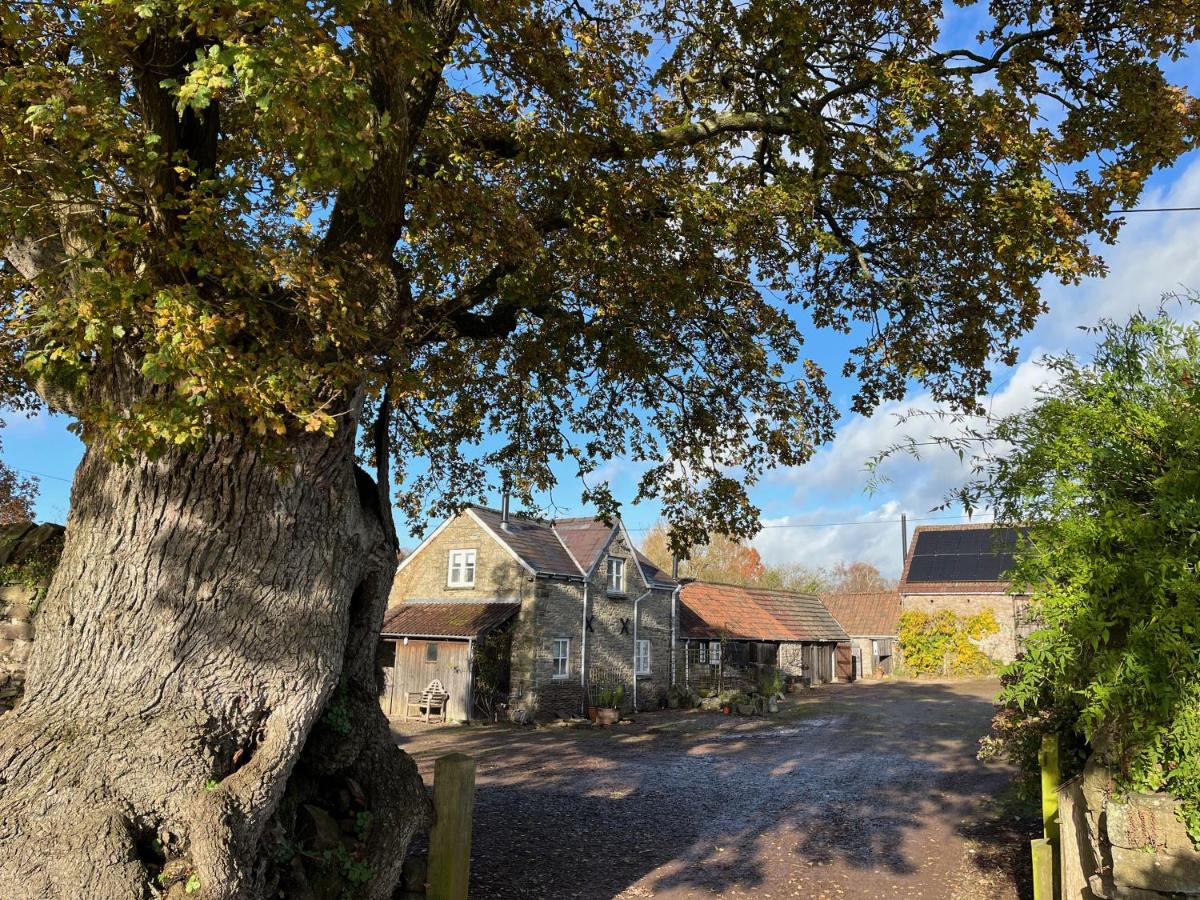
<point x="739" y="628"/>
<point x="873" y="623"/>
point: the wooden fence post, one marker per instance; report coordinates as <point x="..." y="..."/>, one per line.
<point x="1043" y="869"/>
<point x="1051" y="778"/>
<point x="450" y="838"/>
<point x="1048" y="758"/>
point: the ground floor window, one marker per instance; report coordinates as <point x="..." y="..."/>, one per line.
<point x="561" y="657"/>
<point x="431" y="652"/>
<point x="642" y="658"/>
<point x="714" y="653"/>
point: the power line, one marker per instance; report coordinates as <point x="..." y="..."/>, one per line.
<point x="1154" y="209"/>
<point x="41" y="474"/>
<point x="854" y="522"/>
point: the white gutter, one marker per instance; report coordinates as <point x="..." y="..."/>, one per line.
<point x="635" y="640"/>
<point x="583" y="649"/>
<point x="674" y="621"/>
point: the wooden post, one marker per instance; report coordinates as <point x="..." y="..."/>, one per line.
<point x="450" y="838"/>
<point x="1051" y="778"/>
<point x="1043" y="869"/>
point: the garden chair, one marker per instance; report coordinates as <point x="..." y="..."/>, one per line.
<point x="429" y="704"/>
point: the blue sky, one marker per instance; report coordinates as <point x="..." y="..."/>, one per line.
<point x="820" y="514"/>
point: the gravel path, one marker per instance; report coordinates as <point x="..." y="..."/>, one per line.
<point x="869" y="790"/>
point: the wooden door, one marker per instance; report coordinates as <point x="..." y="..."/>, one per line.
<point x="419" y="662"/>
<point x="845" y="663"/>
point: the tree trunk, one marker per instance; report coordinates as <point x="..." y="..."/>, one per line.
<point x="201" y="703"/>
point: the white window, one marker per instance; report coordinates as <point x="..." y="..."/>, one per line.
<point x="714" y="653"/>
<point x="642" y="658"/>
<point x="703" y="654"/>
<point x="561" y="657"/>
<point x="462" y="568"/>
<point x="616" y="575"/>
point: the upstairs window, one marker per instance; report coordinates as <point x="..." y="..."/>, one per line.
<point x="462" y="569"/>
<point x="642" y="658"/>
<point x="616" y="575"/>
<point x="561" y="657"/>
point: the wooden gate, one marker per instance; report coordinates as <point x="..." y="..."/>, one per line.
<point x="419" y="662"/>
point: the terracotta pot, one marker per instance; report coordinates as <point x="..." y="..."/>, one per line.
<point x="727" y="709"/>
<point x="591" y="712"/>
<point x="607" y="715"/>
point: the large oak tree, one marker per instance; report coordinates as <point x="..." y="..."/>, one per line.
<point x="248" y="240"/>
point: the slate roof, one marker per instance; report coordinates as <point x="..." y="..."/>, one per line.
<point x="457" y="620"/>
<point x="711" y="610"/>
<point x="949" y="559"/>
<point x="564" y="547"/>
<point x="865" y="615"/>
<point x="652" y="572"/>
<point x="533" y="541"/>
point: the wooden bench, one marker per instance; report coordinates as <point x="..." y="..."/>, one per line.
<point x="430" y="704"/>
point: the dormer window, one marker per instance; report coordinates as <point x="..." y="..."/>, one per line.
<point x="616" y="575"/>
<point x="462" y="569"/>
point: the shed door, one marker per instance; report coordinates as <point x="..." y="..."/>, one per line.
<point x="420" y="662"/>
<point x="845" y="663"/>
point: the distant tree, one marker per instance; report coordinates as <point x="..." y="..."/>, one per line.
<point x="17" y="495"/>
<point x="859" y="578"/>
<point x="720" y="559"/>
<point x="795" y="577"/>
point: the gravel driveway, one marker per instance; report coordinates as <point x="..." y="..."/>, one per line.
<point x="854" y="791"/>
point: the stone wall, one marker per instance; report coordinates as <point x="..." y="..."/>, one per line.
<point x="28" y="554"/>
<point x="1001" y="647"/>
<point x="557" y="612"/>
<point x="1123" y="847"/>
<point x="498" y="576"/>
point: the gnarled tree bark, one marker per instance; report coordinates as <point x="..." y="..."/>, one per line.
<point x="201" y="699"/>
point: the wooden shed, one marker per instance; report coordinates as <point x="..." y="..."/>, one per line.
<point x="424" y="642"/>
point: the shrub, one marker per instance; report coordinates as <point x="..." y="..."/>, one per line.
<point x="943" y="643"/>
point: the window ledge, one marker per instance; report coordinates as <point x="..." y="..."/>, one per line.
<point x="461" y="587"/>
<point x="620" y="594"/>
<point x="559" y="677"/>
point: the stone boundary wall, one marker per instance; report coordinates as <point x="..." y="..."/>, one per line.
<point x="28" y="554"/>
<point x="1117" y="847"/>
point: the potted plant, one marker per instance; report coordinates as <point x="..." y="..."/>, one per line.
<point x="609" y="712"/>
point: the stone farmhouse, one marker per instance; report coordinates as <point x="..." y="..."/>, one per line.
<point x="964" y="568"/>
<point x="573" y="604"/>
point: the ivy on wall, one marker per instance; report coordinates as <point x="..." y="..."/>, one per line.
<point x="944" y="643"/>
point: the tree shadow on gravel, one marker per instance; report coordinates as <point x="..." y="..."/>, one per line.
<point x="867" y="778"/>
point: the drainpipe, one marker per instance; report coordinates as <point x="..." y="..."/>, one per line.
<point x="583" y="649"/>
<point x="635" y="640"/>
<point x="674" y="613"/>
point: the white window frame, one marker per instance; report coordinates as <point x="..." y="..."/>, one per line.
<point x="702" y="656"/>
<point x="714" y="653"/>
<point x="460" y="563"/>
<point x="564" y="658"/>
<point x="642" y="657"/>
<point x="619" y="586"/>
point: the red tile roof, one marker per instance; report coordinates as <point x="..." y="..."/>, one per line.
<point x="866" y="615"/>
<point x="460" y="620"/>
<point x="584" y="538"/>
<point x="710" y="610"/>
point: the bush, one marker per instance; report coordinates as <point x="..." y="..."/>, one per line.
<point x="943" y="643"/>
<point x="1104" y="475"/>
